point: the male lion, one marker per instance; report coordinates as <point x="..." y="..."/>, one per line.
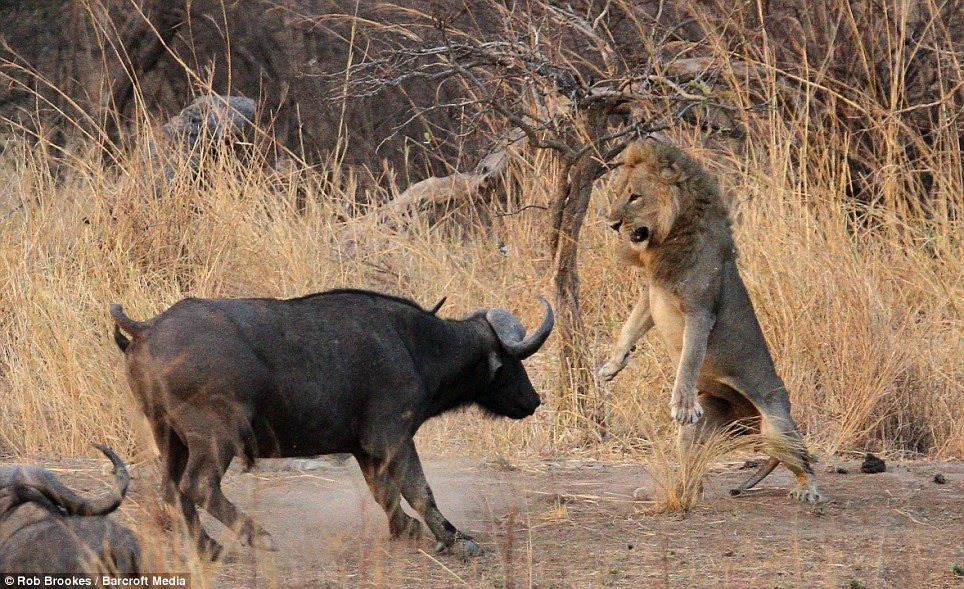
<point x="673" y="223"/>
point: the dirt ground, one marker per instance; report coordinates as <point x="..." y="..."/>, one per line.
<point x="561" y="524"/>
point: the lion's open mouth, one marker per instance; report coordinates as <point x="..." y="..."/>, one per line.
<point x="639" y="235"/>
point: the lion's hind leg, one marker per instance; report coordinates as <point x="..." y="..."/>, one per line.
<point x="732" y="411"/>
<point x="786" y="445"/>
<point x="779" y="430"/>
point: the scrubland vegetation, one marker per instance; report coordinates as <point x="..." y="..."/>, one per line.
<point x="865" y="324"/>
<point x="860" y="299"/>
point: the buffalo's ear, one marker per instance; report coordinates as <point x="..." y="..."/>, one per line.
<point x="437" y="306"/>
<point x="8" y="499"/>
<point x="494" y="364"/>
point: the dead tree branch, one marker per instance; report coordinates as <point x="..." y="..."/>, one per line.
<point x="583" y="109"/>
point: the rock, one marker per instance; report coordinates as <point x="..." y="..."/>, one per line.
<point x="873" y="465"/>
<point x="212" y="124"/>
<point x="642" y="494"/>
<point x="219" y="118"/>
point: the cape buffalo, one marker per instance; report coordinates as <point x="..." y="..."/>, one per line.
<point x="344" y="371"/>
<point x="47" y="528"/>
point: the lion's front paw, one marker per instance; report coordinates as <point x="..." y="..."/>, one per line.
<point x="609" y="370"/>
<point x="686" y="413"/>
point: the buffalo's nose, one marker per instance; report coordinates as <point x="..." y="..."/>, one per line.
<point x="533" y="405"/>
<point x="615" y="225"/>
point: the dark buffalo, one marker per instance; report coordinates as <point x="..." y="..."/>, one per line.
<point x="344" y="371"/>
<point x="47" y="528"/>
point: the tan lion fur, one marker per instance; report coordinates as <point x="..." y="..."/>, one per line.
<point x="674" y="224"/>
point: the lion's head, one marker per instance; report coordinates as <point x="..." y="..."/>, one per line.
<point x="654" y="189"/>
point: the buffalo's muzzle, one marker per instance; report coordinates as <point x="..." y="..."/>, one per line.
<point x="528" y="407"/>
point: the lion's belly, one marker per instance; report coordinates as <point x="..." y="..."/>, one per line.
<point x="668" y="320"/>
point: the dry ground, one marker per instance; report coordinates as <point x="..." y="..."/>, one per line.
<point x="556" y="524"/>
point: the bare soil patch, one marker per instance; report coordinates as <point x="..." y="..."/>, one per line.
<point x="560" y="524"/>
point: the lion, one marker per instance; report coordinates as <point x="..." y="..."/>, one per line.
<point x="674" y="224"/>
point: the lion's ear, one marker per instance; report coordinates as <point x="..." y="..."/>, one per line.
<point x="673" y="172"/>
<point x="634" y="154"/>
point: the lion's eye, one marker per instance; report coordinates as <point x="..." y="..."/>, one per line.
<point x="633" y="197"/>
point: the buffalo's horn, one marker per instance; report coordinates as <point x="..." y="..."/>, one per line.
<point x="511" y="332"/>
<point x="74" y="504"/>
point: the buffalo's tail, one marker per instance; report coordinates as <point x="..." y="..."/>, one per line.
<point x="125" y="323"/>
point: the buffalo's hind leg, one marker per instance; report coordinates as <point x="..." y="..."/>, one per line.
<point x="174" y="455"/>
<point x="388" y="496"/>
<point x="727" y="413"/>
<point x="760" y="474"/>
<point x="734" y="412"/>
<point x="209" y="455"/>
<point x="406" y="469"/>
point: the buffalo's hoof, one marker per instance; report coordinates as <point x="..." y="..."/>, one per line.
<point x="210" y="550"/>
<point x="232" y="557"/>
<point x="470" y="548"/>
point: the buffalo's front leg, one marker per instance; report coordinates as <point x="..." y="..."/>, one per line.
<point x="388" y="496"/>
<point x="406" y="469"/>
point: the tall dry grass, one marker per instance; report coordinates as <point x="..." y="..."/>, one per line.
<point x="865" y="322"/>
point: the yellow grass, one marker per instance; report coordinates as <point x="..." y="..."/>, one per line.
<point x="864" y="322"/>
<point x="866" y="329"/>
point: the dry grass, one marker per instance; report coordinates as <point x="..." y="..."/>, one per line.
<point x="865" y="323"/>
<point x="866" y="329"/>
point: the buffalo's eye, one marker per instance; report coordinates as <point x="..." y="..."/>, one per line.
<point x="634" y="197"/>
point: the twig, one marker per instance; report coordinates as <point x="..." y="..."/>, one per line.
<point x="447" y="569"/>
<point x="517" y="211"/>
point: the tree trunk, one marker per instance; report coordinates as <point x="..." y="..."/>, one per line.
<point x="143" y="44"/>
<point x="582" y="402"/>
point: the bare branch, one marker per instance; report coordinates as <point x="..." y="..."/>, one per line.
<point x="567" y="15"/>
<point x="521" y="210"/>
